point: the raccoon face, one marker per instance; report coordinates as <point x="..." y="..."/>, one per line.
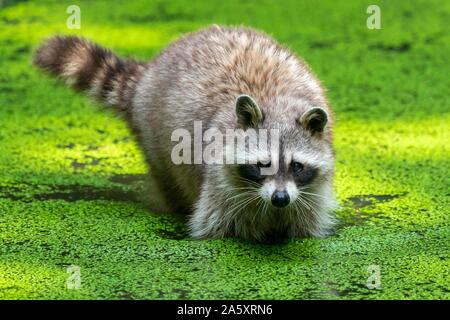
<point x="285" y="186"/>
<point x="303" y="160"/>
<point x="294" y="183"/>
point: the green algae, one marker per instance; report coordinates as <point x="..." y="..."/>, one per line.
<point x="72" y="179"/>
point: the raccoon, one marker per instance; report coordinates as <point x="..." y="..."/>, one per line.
<point x="225" y="77"/>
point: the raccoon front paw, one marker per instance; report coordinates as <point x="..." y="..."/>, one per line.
<point x="206" y="227"/>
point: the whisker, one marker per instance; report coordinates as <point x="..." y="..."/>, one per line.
<point x="303" y="216"/>
<point x="239" y="195"/>
<point x="244" y="202"/>
<point x="250" y="182"/>
<point x="312" y="194"/>
<point x="311" y="201"/>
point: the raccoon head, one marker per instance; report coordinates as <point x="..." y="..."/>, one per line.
<point x="288" y="175"/>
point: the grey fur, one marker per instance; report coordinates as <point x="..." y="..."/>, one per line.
<point x="199" y="78"/>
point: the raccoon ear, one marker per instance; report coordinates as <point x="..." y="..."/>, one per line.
<point x="314" y="119"/>
<point x="248" y="112"/>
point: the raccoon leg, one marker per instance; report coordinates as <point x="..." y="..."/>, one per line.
<point x="155" y="199"/>
<point x="208" y="221"/>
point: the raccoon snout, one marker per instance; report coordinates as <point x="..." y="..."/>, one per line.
<point x="280" y="199"/>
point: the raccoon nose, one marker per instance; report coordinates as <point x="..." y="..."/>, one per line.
<point x="280" y="199"/>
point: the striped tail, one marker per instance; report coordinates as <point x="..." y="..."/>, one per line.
<point x="88" y="67"/>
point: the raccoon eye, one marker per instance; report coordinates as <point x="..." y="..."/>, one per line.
<point x="263" y="165"/>
<point x="297" y="167"/>
<point x="250" y="172"/>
